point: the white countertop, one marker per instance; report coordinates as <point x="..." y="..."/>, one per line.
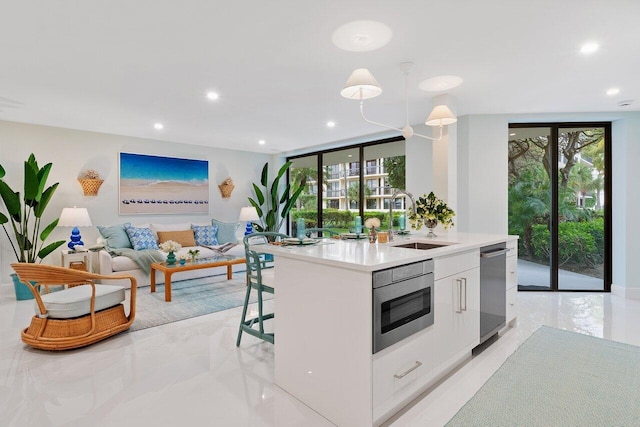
<point x="364" y="256"/>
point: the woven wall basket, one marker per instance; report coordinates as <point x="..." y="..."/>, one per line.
<point x="90" y="186"/>
<point x="226" y="190"/>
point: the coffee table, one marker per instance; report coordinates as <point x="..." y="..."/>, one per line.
<point x="169" y="269"/>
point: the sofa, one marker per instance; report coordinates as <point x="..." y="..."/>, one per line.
<point x="208" y="238"/>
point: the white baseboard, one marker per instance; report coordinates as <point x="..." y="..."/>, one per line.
<point x="625" y="292"/>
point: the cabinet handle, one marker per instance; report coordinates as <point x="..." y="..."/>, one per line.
<point x="459" y="283"/>
<point x="408" y="371"/>
<point x="465" y="293"/>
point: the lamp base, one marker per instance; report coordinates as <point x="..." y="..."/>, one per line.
<point x="76" y="239"/>
<point x="248" y="229"/>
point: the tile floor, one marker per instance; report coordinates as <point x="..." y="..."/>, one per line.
<point x="190" y="373"/>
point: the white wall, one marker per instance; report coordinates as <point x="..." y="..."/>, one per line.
<point x="72" y="152"/>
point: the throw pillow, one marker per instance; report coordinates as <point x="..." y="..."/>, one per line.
<point x="226" y="231"/>
<point x="205" y="235"/>
<point x="141" y="238"/>
<point x="184" y="237"/>
<point x="115" y="237"/>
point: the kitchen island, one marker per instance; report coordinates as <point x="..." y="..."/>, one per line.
<point x="324" y="307"/>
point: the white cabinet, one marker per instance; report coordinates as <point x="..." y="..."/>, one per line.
<point x="512" y="282"/>
<point x="457" y="305"/>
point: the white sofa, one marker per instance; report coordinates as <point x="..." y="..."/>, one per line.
<point x="117" y="265"/>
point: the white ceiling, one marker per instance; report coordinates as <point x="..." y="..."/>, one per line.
<point x="119" y="66"/>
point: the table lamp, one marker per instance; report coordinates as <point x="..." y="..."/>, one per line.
<point x="75" y="217"/>
<point x="248" y="214"/>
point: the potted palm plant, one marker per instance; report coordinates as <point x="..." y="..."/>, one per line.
<point x="272" y="205"/>
<point x="27" y="237"/>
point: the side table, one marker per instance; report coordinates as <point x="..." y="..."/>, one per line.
<point x="76" y="260"/>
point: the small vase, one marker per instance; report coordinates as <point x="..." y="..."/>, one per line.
<point x="373" y="235"/>
<point x="171" y="258"/>
<point x="431" y="224"/>
<point x="183" y="261"/>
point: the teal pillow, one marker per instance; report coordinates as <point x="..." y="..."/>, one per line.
<point x="226" y="231"/>
<point x="115" y="237"/>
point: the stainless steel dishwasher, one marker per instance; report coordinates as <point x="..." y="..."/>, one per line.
<point x="493" y="278"/>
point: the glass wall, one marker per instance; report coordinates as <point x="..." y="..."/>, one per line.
<point x="558" y="188"/>
<point x="355" y="180"/>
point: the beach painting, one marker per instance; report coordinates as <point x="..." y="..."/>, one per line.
<point x="163" y="185"/>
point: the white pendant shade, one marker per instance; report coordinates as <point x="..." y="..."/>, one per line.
<point x="440" y="116"/>
<point x="361" y="85"/>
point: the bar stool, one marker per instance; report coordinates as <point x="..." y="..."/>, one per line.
<point x="261" y="278"/>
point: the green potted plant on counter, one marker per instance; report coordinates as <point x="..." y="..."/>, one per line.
<point x="272" y="205"/>
<point x="24" y="218"/>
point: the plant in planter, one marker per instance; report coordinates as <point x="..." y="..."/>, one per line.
<point x="25" y="214"/>
<point x="272" y="205"/>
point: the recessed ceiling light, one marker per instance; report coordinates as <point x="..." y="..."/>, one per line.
<point x="589" y="48"/>
<point x="361" y="36"/>
<point x="512" y="134"/>
<point x="158" y="126"/>
<point x="262" y="141"/>
<point x="331" y="124"/>
<point x="212" y="96"/>
<point x="613" y="91"/>
<point x="438" y="83"/>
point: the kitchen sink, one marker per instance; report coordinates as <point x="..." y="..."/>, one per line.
<point x="421" y="245"/>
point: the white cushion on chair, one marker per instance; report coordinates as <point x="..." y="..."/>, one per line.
<point x="76" y="301"/>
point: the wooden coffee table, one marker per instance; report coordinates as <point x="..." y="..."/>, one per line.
<point x="169" y="269"/>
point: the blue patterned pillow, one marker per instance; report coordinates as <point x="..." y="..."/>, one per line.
<point x="141" y="238"/>
<point x="205" y="235"/>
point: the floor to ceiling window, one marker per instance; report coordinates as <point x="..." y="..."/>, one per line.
<point x="347" y="182"/>
<point x="560" y="205"/>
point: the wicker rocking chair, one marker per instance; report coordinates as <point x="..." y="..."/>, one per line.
<point x="79" y="315"/>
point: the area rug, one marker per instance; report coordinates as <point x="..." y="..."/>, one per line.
<point x="560" y="378"/>
<point x="190" y="298"/>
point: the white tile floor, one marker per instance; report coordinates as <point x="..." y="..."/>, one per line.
<point x="190" y="373"/>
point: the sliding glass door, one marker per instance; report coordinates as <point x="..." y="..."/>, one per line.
<point x="559" y="205"/>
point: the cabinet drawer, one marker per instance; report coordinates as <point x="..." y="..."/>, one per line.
<point x="449" y="265"/>
<point x="397" y="373"/>
<point x="512" y="272"/>
<point x="512" y="246"/>
<point x="512" y="301"/>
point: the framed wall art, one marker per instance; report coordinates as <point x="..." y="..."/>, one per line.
<point x="163" y="185"/>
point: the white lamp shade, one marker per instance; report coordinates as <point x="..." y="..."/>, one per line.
<point x="74" y="217"/>
<point x="248" y="213"/>
<point x="361" y="85"/>
<point x="440" y="116"/>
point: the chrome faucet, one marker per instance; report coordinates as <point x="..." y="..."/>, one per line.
<point x="394" y="196"/>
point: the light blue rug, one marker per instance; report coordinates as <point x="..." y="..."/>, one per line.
<point x="560" y="378"/>
<point x="190" y="298"/>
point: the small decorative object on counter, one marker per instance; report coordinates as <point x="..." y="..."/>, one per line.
<point x="430" y="211"/>
<point x="371" y="224"/>
<point x="358" y="225"/>
<point x="300" y="228"/>
<point x="194" y="253"/>
<point x="170" y="247"/>
<point x="402" y="223"/>
<point x="183" y="260"/>
<point x="226" y="187"/>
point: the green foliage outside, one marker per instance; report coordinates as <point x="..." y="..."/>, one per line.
<point x="396" y="168"/>
<point x="580" y="228"/>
